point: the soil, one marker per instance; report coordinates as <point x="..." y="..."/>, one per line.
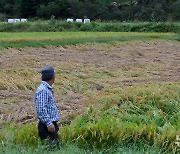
<point x="160" y="61"/>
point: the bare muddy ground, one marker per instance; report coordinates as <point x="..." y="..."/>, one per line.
<point x="124" y="64"/>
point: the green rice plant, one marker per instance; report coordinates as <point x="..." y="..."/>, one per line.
<point x="26" y="135"/>
<point x="1" y="138"/>
<point x="20" y="134"/>
<point x="108" y="131"/>
<point x="130" y="115"/>
<point x="36" y="39"/>
<point x="105" y="132"/>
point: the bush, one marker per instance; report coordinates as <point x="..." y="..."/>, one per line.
<point x="55" y="25"/>
<point x="2" y="17"/>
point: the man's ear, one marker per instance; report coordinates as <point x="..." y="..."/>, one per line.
<point x="53" y="77"/>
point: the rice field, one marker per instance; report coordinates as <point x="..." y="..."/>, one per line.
<point x="117" y="92"/>
<point x="39" y="39"/>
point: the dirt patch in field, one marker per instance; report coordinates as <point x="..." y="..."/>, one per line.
<point x="137" y="62"/>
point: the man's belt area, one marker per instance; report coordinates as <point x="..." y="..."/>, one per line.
<point x="54" y="122"/>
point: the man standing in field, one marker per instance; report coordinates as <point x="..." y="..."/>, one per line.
<point x="46" y="109"/>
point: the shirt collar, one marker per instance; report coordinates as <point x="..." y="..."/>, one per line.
<point x="46" y="84"/>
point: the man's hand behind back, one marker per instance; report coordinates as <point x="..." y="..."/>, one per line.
<point x="51" y="128"/>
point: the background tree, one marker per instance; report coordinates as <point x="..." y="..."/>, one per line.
<point x="121" y="10"/>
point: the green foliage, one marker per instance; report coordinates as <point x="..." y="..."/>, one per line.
<point x="27" y="135"/>
<point x="121" y="10"/>
<point x="18" y="134"/>
<point x="129" y="116"/>
<point x="24" y="139"/>
<point x="174" y="10"/>
<point x="58" y="26"/>
<point x="11" y="148"/>
<point x="1" y="137"/>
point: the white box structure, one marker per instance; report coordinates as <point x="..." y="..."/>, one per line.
<point x="23" y="20"/>
<point x="78" y="20"/>
<point x="17" y="20"/>
<point x="87" y="20"/>
<point x="70" y="20"/>
<point x="11" y="20"/>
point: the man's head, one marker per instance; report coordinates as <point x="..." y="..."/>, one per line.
<point x="48" y="74"/>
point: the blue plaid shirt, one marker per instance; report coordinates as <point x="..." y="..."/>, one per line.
<point x="46" y="109"/>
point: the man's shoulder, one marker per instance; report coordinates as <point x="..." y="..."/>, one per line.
<point x="41" y="89"/>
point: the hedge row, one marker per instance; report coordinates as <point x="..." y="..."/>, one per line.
<point x="58" y="26"/>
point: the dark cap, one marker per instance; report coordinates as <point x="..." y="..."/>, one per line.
<point x="47" y="73"/>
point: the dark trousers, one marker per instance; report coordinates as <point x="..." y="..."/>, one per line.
<point x="45" y="134"/>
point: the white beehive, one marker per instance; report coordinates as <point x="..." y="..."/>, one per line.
<point x="11" y="21"/>
<point x="70" y="20"/>
<point x="17" y="20"/>
<point x="78" y="20"/>
<point x="23" y="20"/>
<point x="87" y="20"/>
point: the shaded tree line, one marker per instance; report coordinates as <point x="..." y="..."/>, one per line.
<point x="120" y="10"/>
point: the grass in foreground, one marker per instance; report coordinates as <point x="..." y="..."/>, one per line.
<point x="11" y="148"/>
